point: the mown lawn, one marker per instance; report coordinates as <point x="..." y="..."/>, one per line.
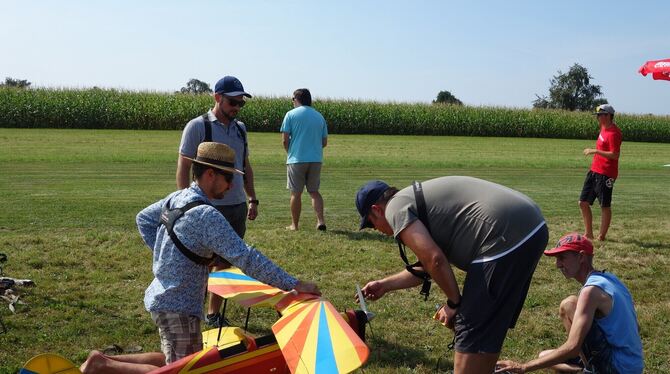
<point x="69" y="198"/>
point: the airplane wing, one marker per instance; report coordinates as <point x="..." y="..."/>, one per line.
<point x="314" y="338"/>
<point x="233" y="284"/>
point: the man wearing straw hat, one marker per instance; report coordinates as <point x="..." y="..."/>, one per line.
<point x="182" y="247"/>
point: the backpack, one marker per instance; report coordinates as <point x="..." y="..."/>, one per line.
<point x="169" y="217"/>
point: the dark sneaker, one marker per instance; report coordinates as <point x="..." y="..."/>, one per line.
<point x="213" y="320"/>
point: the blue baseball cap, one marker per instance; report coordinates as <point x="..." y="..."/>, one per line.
<point x="366" y="197"/>
<point x="230" y="86"/>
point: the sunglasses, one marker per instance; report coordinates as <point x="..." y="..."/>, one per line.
<point x="235" y="102"/>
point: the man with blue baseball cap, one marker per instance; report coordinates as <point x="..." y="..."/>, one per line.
<point x="220" y="125"/>
<point x="492" y="232"/>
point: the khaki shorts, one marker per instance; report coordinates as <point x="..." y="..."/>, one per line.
<point x="303" y="174"/>
<point x="180" y="334"/>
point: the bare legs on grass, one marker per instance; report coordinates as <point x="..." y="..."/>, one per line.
<point x="566" y="313"/>
<point x="587" y="215"/>
<point x="296" y="208"/>
<point x="139" y="363"/>
<point x="476" y="363"/>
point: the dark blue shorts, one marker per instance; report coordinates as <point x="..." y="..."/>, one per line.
<point x="493" y="296"/>
<point x="598" y="352"/>
<point x="236" y="215"/>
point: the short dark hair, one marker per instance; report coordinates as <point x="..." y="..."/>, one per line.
<point x="387" y="195"/>
<point x="303" y="96"/>
<point x="199" y="169"/>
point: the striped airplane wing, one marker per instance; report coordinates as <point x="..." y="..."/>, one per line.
<point x="233" y="284"/>
<point x="314" y="338"/>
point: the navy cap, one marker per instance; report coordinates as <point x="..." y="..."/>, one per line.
<point x="230" y="86"/>
<point x="366" y="197"/>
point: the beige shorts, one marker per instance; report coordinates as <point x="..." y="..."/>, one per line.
<point x="303" y="174"/>
<point x="180" y="334"/>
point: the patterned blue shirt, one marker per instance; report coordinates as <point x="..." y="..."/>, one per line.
<point x="179" y="284"/>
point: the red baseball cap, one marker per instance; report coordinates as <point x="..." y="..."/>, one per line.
<point x="571" y="242"/>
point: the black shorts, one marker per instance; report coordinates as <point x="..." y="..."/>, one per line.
<point x="236" y="215"/>
<point x="597" y="185"/>
<point x="493" y="296"/>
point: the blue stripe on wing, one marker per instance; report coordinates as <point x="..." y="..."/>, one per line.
<point x="325" y="357"/>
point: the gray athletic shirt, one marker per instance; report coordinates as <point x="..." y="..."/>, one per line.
<point x="469" y="218"/>
<point x="194" y="134"/>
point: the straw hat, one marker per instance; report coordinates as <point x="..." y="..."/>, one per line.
<point x="216" y="155"/>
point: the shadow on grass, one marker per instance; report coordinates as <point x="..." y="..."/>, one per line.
<point x="362" y="235"/>
<point x="648" y="245"/>
<point x="391" y="355"/>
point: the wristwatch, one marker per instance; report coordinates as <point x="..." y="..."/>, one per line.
<point x="452" y="304"/>
<point x="253" y="201"/>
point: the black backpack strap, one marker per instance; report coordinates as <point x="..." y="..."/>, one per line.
<point x="242" y="133"/>
<point x="423" y="217"/>
<point x="169" y="217"/>
<point x="208" y="127"/>
<point x="420" y="204"/>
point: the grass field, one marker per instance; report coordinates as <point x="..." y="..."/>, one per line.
<point x="69" y="198"/>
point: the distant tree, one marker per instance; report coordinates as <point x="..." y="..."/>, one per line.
<point x="571" y="91"/>
<point x="18" y="83"/>
<point x="195" y="86"/>
<point x="445" y="97"/>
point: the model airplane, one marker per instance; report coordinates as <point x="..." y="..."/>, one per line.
<point x="310" y="337"/>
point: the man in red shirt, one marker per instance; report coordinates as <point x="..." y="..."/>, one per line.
<point x="604" y="171"/>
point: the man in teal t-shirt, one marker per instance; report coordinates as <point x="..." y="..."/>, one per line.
<point x="304" y="135"/>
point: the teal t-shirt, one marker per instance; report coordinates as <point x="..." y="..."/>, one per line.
<point x="307" y="129"/>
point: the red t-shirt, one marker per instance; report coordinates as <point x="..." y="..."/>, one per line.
<point x="609" y="140"/>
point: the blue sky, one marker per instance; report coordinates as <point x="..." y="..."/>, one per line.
<point x="498" y="53"/>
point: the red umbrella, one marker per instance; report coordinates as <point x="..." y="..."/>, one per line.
<point x="659" y="69"/>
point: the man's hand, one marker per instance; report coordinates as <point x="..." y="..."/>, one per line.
<point x="307" y="287"/>
<point x="373" y="290"/>
<point x="507" y="366"/>
<point x="589" y="151"/>
<point x="252" y="212"/>
<point x="446" y="316"/>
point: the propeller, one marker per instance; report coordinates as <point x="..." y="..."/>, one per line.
<point x="361" y="301"/>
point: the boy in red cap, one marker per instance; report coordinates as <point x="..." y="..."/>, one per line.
<point x="601" y="321"/>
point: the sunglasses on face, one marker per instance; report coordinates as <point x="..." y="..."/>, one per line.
<point x="235" y="102"/>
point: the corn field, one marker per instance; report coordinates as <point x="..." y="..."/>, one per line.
<point x="115" y="109"/>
